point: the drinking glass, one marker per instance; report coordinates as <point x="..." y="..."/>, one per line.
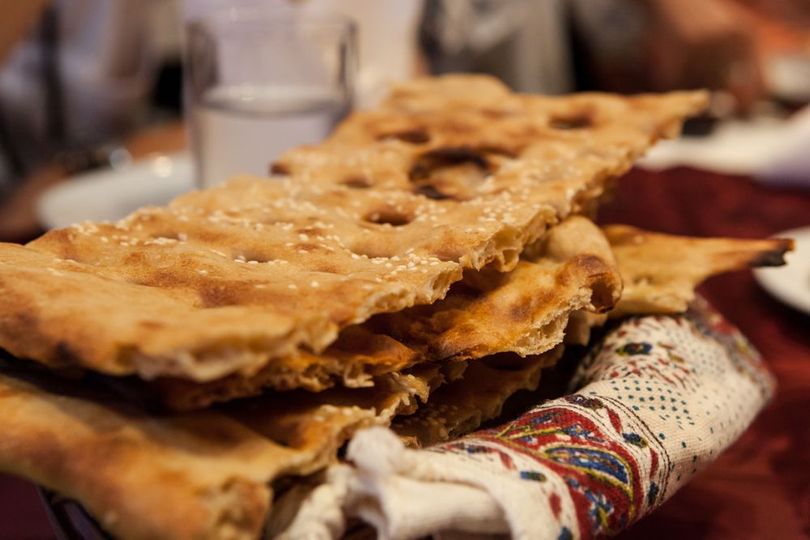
<point x="261" y="81"/>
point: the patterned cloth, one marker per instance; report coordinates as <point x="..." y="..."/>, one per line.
<point x="657" y="400"/>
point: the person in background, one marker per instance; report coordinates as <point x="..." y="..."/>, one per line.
<point x="78" y="73"/>
<point x="523" y="42"/>
<point x="657" y="45"/>
<point x="19" y="18"/>
<point x="73" y="74"/>
<point x="555" y="46"/>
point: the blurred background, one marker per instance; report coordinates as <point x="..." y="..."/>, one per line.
<point x="93" y="124"/>
<point x="93" y="85"/>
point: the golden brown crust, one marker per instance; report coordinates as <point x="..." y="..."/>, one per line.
<point x="250" y="284"/>
<point x="128" y="469"/>
<point x="461" y="407"/>
<point x="351" y="361"/>
<point x="225" y="280"/>
<point x="212" y="469"/>
<point x="572" y="269"/>
<point x="524" y="311"/>
<point x="467" y="138"/>
<point x="661" y="271"/>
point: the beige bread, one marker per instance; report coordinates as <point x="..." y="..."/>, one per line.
<point x="462" y="406"/>
<point x="661" y="271"/>
<point x="660" y="274"/>
<point x="382" y="270"/>
<point x="524" y="311"/>
<point x="560" y="289"/>
<point x="195" y="475"/>
<point x="225" y="280"/>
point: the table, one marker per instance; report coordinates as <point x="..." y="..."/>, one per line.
<point x="759" y="488"/>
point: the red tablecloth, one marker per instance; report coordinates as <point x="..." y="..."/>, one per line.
<point x="760" y="488"/>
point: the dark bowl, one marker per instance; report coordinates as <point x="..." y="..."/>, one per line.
<point x="69" y="520"/>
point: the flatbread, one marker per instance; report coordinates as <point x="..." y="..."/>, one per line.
<point x="194" y="475"/>
<point x="202" y="476"/>
<point x="524" y="311"/>
<point x="352" y="361"/>
<point x="225" y="280"/>
<point x="461" y="407"/>
<point x="468" y="138"/>
<point x="661" y="271"/>
<point x="170" y="292"/>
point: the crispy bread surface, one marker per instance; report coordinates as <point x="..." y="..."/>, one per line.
<point x="461" y="407"/>
<point x="372" y="220"/>
<point x="195" y="475"/>
<point x="661" y="271"/>
<point x="523" y="311"/>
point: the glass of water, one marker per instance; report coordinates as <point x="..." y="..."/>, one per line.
<point x="260" y="81"/>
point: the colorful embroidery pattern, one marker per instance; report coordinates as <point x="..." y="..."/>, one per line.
<point x="656" y="402"/>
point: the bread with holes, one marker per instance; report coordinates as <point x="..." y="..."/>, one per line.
<point x="223" y="281"/>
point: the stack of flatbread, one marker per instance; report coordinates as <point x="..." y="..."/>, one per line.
<point x="172" y="371"/>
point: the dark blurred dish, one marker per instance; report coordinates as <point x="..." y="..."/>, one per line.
<point x="69" y="519"/>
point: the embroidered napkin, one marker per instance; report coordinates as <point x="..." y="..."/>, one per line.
<point x="656" y="401"/>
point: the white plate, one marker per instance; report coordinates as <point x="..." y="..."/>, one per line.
<point x="734" y="147"/>
<point x="111" y="194"/>
<point x="772" y="150"/>
<point x="790" y="283"/>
